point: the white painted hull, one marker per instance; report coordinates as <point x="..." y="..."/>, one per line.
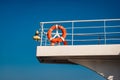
<point x="104" y="59"/>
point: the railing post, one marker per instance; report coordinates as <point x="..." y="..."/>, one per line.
<point x="105" y="32"/>
<point x="41" y="24"/>
<point x="45" y="39"/>
<point x="72" y="31"/>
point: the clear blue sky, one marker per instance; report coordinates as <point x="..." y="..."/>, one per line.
<point x="18" y="21"/>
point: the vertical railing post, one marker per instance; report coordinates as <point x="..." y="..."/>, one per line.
<point x="41" y="24"/>
<point x="104" y="32"/>
<point x="72" y="31"/>
<point x="45" y="39"/>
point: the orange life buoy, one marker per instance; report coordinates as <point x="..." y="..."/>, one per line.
<point x="59" y="38"/>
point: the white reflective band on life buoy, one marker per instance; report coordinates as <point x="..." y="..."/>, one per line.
<point x="62" y="38"/>
<point x="56" y="26"/>
<point x="51" y="38"/>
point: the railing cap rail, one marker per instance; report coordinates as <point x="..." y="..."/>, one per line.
<point x="68" y="21"/>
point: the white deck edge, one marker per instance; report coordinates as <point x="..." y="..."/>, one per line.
<point x="81" y="50"/>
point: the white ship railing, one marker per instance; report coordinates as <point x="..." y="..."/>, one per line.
<point x="85" y="32"/>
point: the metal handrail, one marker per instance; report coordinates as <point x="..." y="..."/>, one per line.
<point x="100" y="36"/>
<point x="69" y="21"/>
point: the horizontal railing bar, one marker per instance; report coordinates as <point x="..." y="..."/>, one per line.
<point x="113" y="39"/>
<point x="97" y="27"/>
<point x="92" y="39"/>
<point x="87" y="40"/>
<point x="82" y="34"/>
<point x="85" y="27"/>
<point x="69" y="21"/>
<point x="88" y="27"/>
<point x="95" y="33"/>
<point x="113" y="26"/>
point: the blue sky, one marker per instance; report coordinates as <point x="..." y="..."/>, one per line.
<point x="18" y="21"/>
